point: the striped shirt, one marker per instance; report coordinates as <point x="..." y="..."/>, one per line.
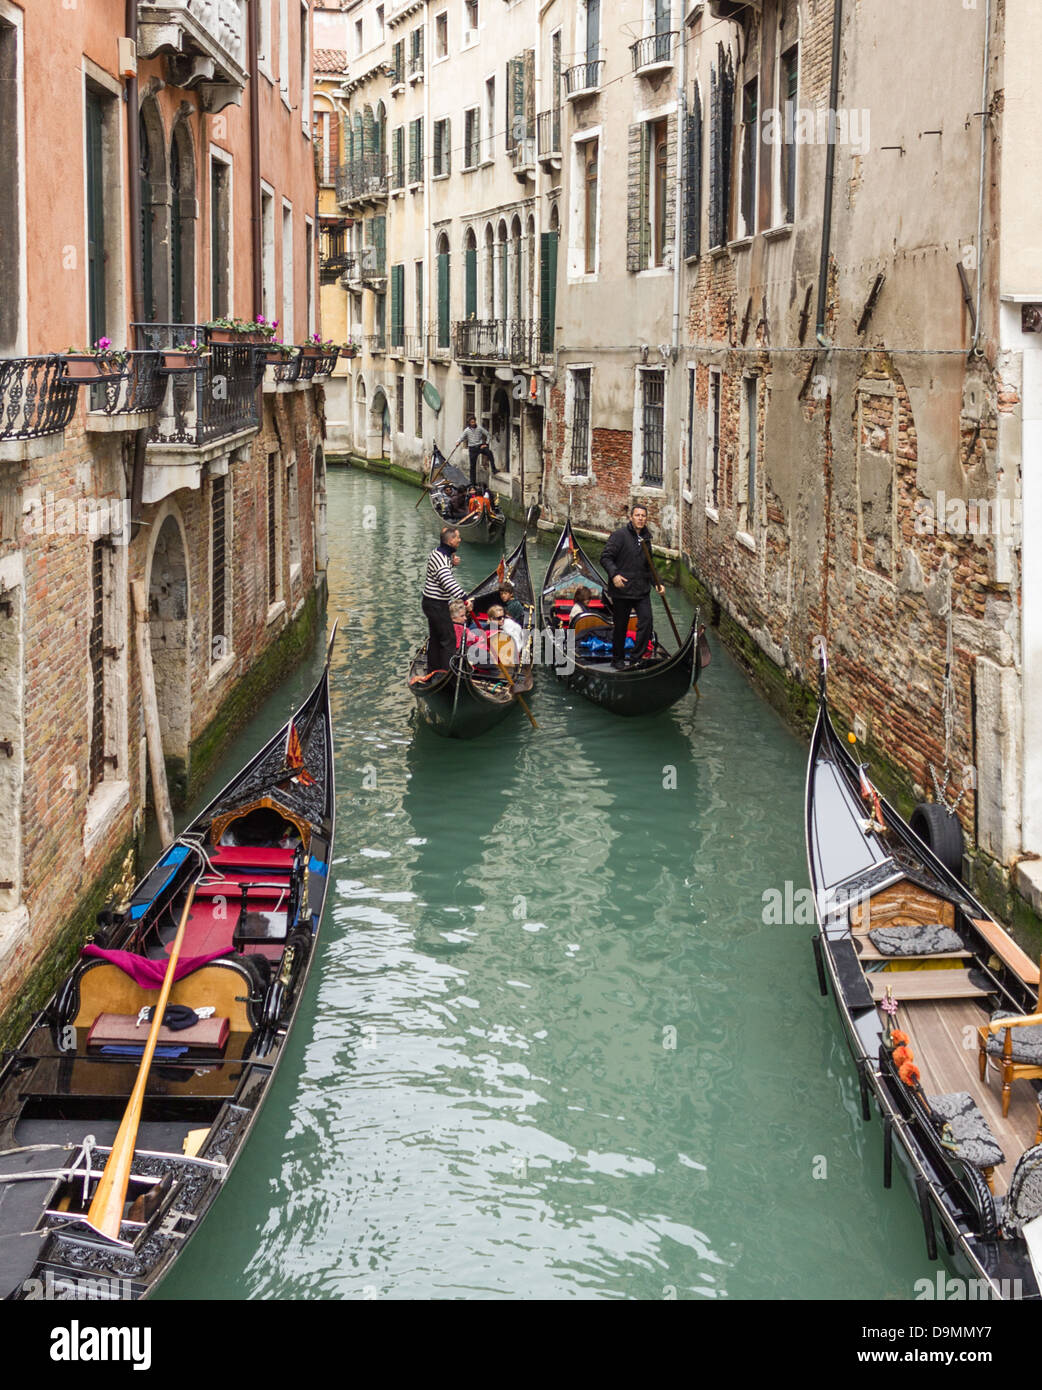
<point x="440" y="581"/>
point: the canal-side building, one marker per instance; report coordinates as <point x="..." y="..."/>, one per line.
<point x="175" y="502"/>
<point x="450" y="173"/>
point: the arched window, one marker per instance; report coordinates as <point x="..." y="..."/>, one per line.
<point x="444" y="307"/>
<point x="155" y="214"/>
<point x="182" y="224"/>
<point x="470" y="258"/>
<point x="490" y="271"/>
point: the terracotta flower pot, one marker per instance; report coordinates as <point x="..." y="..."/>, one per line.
<point x="84" y="368"/>
<point x="180" y="360"/>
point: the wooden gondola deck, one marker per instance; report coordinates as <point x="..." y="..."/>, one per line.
<point x="943" y="1036"/>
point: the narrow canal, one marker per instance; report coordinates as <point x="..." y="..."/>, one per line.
<point x="551" y="1048"/>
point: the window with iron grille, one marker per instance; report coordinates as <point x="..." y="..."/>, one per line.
<point x="750" y="439"/>
<point x="96" y="653"/>
<point x="469" y="407"/>
<point x="713" y="479"/>
<point x="220" y="643"/>
<point x="693" y="177"/>
<point x="471" y="137"/>
<point x="652" y="434"/>
<point x="579" y="458"/>
<point x="418" y="390"/>
<point x="442" y="148"/>
<point x="273" y="519"/>
<point x="399" y="404"/>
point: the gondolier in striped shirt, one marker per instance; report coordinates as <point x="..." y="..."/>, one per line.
<point x="476" y="438"/>
<point x="439" y="588"/>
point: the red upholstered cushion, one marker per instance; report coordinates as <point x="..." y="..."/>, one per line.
<point x="230" y="856"/>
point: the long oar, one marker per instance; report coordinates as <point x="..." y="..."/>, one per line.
<point x="106" y="1210"/>
<point x="429" y="484"/>
<point x="658" y="585"/>
<point x="503" y="672"/>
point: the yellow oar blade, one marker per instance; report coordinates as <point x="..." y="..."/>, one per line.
<point x="110" y="1195"/>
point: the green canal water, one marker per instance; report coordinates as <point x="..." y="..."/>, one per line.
<point x="549" y="1047"/>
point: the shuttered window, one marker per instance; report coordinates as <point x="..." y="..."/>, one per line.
<point x="693" y="178"/>
<point x="398" y="157"/>
<point x="443" y="300"/>
<point x="721" y="121"/>
<point x="442" y="148"/>
<point x="470" y="309"/>
<point x="547" y="290"/>
<point x="96" y="218"/>
<point x="416" y="150"/>
<point x="790" y="68"/>
<point x="471" y="137"/>
<point x="397" y="306"/>
<point x="398" y="62"/>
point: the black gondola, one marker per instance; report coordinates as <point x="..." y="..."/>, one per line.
<point x="919" y="970"/>
<point x="483" y="526"/>
<point x="257" y="861"/>
<point x="470" y="698"/>
<point x="584" y="656"/>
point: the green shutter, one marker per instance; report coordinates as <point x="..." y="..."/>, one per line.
<point x="471" y="306"/>
<point x="443" y="300"/>
<point x="96" y="220"/>
<point x="397" y="305"/>
<point x="547" y="290"/>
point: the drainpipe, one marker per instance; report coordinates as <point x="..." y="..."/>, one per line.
<point x="255" y="189"/>
<point x="428" y="137"/>
<point x="983" y="155"/>
<point x="678" y="249"/>
<point x="830" y="175"/>
<point x="137" y="276"/>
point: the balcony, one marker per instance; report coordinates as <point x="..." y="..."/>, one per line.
<point x="522" y="156"/>
<point x="128" y="402"/>
<point x="36" y="400"/>
<point x="415" y="346"/>
<point x="516" y="341"/>
<point x="583" y="80"/>
<point x="204" y="42"/>
<point x="202" y="414"/>
<point x="653" y="54"/>
<point x="548" y="137"/>
<point x="376" y="343"/>
<point x="362" y="180"/>
<point x="371" y="268"/>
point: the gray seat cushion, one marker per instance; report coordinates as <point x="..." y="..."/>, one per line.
<point x="1027" y="1041"/>
<point x="931" y="939"/>
<point x="1024" y="1198"/>
<point x="973" y="1140"/>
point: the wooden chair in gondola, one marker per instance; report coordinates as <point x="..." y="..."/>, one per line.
<point x="1014" y="1043"/>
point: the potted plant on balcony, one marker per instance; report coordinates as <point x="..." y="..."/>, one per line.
<point x="350" y="349"/>
<point x="263" y="331"/>
<point x="278" y="352"/>
<point x="102" y="362"/>
<point x="315" y="347"/>
<point x="184" y="356"/>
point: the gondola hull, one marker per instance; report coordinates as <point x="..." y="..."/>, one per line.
<point x="646" y="688"/>
<point x="853" y="869"/>
<point x="251" y="939"/>
<point x="484" y="527"/>
<point x="465" y="703"/>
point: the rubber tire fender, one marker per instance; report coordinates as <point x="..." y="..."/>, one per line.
<point x="941" y="832"/>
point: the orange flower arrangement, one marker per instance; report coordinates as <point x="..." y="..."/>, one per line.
<point x="902" y="1055"/>
<point x="898" y="1038"/>
<point x="909" y="1074"/>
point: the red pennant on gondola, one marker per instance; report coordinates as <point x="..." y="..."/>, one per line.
<point x="295" y="758"/>
<point x="501" y="571"/>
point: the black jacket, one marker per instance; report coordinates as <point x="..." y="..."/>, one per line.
<point x="623" y="554"/>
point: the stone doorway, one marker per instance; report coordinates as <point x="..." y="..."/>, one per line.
<point x="169" y="630"/>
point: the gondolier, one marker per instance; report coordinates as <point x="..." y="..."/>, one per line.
<point x="440" y="587"/>
<point x="476" y="438"/>
<point x="627" y="567"/>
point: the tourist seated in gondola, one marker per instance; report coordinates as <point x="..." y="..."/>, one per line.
<point x="458" y="614"/>
<point x="511" y="603"/>
<point x="509" y="629"/>
<point x="581" y="605"/>
<point x="454" y="508"/>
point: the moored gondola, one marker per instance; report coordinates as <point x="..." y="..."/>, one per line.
<point x="479" y="520"/>
<point x="936" y="1001"/>
<point x="653" y="681"/>
<point x="109" y="1156"/>
<point x="473" y="696"/>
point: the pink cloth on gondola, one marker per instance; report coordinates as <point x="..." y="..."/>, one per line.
<point x="149" y="974"/>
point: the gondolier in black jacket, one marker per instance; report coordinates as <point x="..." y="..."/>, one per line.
<point x="627" y="568"/>
<point x="439" y="588"/>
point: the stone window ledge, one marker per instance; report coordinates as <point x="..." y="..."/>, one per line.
<point x="220" y="669"/>
<point x="276" y="611"/>
<point x="105" y="805"/>
<point x="744" y="538"/>
<point x="785" y="229"/>
<point x="712" y="514"/>
<point x="740" y="243"/>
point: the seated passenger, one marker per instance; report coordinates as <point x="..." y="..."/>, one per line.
<point x="582" y="601"/>
<point x="458" y="614"/>
<point x="509" y="628"/>
<point x="514" y="607"/>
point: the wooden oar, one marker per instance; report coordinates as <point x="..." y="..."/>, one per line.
<point x="503" y="672"/>
<point x="106" y="1210"/>
<point x="659" y="585"/>
<point x="429" y="484"/>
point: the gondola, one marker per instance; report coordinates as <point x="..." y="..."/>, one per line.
<point x="469" y="699"/>
<point x="248" y="879"/>
<point x="486" y="526"/>
<point x="919" y="970"/>
<point x="583" y="658"/>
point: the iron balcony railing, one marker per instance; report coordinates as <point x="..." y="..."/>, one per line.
<point x="362" y="178"/>
<point x="219" y="401"/>
<point x="376" y="342"/>
<point x="499" y="340"/>
<point x="548" y="131"/>
<point x="372" y="263"/>
<point x="415" y="343"/>
<point x="656" y="48"/>
<point x="36" y="398"/>
<point x="331" y="267"/>
<point x="138" y="390"/>
<point x="583" y="77"/>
